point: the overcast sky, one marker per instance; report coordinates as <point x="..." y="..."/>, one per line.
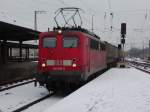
<point x="136" y="13"/>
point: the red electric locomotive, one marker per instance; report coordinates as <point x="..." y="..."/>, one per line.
<point x="69" y="56"/>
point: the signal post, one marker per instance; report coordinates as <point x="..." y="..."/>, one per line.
<point x="121" y="52"/>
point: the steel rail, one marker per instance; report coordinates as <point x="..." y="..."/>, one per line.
<point x="32" y="103"/>
<point x="13" y="86"/>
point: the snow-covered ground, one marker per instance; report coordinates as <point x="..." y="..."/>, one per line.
<point x="40" y="107"/>
<point x="17" y="97"/>
<point x="141" y="67"/>
<point x="14" y="84"/>
<point x="117" y="90"/>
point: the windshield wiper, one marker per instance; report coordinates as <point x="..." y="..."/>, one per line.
<point x="72" y="45"/>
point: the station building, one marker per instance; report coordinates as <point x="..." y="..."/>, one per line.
<point x="17" y="59"/>
<point x="11" y="43"/>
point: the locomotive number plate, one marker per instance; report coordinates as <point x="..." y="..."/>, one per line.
<point x="58" y="68"/>
<point x="50" y="62"/>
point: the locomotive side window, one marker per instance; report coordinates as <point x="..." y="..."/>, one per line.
<point x="70" y="42"/>
<point x="103" y="47"/>
<point x="49" y="42"/>
<point x="94" y="44"/>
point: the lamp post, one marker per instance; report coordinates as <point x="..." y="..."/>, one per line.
<point x="92" y="23"/>
<point x="35" y="18"/>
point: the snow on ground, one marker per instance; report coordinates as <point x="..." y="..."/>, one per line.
<point x="14" y="98"/>
<point x="117" y="90"/>
<point x="14" y="84"/>
<point x="40" y="107"/>
<point x="141" y="67"/>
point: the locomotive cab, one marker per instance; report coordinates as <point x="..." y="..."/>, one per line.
<point x="60" y="58"/>
<point x="68" y="57"/>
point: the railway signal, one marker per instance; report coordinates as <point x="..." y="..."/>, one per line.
<point x="123" y="29"/>
<point x="123" y="33"/>
<point x="123" y="36"/>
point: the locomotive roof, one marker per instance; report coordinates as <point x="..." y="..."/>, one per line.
<point x="110" y="44"/>
<point x="76" y="29"/>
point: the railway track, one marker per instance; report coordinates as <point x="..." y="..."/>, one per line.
<point x="26" y="96"/>
<point x="16" y="85"/>
<point x="32" y="103"/>
<point x="141" y="67"/>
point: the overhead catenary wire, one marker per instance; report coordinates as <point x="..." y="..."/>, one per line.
<point x="109" y="5"/>
<point x="8" y="17"/>
<point x="92" y="14"/>
<point x="111" y="14"/>
<point x="62" y="2"/>
<point x="31" y="6"/>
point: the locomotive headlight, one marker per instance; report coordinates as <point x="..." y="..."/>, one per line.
<point x="74" y="65"/>
<point x="59" y="31"/>
<point x="43" y="65"/>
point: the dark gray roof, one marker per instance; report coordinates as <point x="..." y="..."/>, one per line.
<point x="16" y="33"/>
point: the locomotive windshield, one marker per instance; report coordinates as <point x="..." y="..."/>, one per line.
<point x="70" y="42"/>
<point x="49" y="42"/>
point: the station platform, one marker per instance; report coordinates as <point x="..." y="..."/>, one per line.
<point x="17" y="70"/>
<point x="117" y="90"/>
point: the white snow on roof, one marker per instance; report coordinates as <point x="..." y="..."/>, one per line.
<point x="117" y="90"/>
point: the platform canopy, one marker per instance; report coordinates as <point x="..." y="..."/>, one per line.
<point x="16" y="33"/>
